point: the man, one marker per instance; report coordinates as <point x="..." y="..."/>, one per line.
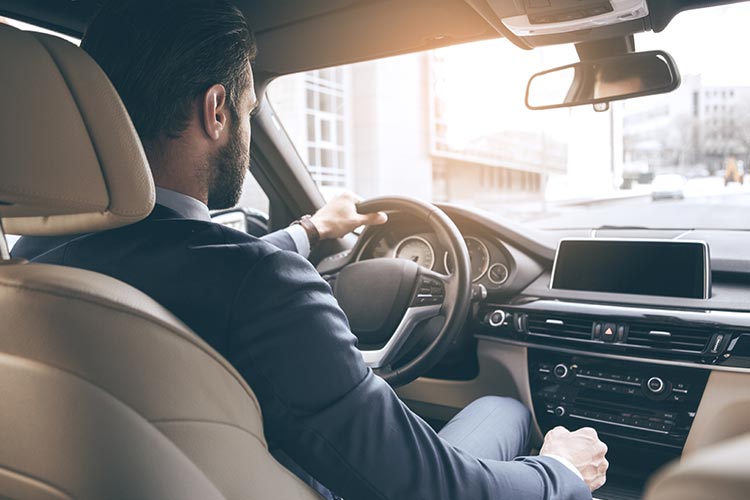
<point x="183" y="70"/>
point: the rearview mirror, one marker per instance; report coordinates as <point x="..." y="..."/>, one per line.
<point x="603" y="80"/>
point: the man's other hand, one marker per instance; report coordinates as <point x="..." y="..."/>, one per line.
<point x="583" y="449"/>
<point x="339" y="216"/>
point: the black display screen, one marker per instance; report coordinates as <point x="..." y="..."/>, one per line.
<point x="666" y="268"/>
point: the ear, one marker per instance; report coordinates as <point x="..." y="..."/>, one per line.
<point x="215" y="111"/>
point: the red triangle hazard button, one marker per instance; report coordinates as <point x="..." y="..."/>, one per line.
<point x="608" y="335"/>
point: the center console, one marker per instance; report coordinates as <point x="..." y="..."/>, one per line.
<point x="635" y="402"/>
<point x="634" y="371"/>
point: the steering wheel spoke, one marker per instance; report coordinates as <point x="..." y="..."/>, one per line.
<point x="388" y="353"/>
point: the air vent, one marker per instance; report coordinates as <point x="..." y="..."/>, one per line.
<point x="563" y="327"/>
<point x="679" y="339"/>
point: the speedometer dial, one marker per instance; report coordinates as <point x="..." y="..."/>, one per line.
<point x="479" y="255"/>
<point x="416" y="249"/>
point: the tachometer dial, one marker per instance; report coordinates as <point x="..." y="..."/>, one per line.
<point x="498" y="274"/>
<point x="479" y="255"/>
<point x="416" y="249"/>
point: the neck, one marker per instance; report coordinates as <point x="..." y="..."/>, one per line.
<point x="178" y="167"/>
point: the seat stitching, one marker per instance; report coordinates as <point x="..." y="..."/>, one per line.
<point x="26" y="475"/>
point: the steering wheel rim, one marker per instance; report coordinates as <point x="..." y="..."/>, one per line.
<point x="456" y="301"/>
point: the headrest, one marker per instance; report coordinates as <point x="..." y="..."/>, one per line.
<point x="70" y="159"/>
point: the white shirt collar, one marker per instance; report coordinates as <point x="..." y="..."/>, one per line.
<point x="185" y="205"/>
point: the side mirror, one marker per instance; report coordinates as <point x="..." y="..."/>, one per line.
<point x="247" y="220"/>
<point x="603" y="80"/>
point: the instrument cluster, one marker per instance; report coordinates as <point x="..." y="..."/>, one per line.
<point x="491" y="265"/>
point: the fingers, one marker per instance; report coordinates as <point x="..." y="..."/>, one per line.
<point x="374" y="219"/>
<point x="598" y="482"/>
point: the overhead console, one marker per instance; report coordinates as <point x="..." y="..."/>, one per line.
<point x="547" y="17"/>
<point x="533" y="23"/>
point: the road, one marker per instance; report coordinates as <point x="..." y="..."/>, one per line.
<point x="707" y="204"/>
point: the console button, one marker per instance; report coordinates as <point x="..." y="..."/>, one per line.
<point x="561" y="371"/>
<point x="496" y="318"/>
<point x="609" y="332"/>
<point x="622" y="332"/>
<point x="597" y="330"/>
<point x="560" y="411"/>
<point x="655" y="385"/>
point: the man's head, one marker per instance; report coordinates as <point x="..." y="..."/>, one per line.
<point x="182" y="68"/>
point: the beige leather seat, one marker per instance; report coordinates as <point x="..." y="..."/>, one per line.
<point x="103" y="393"/>
<point x="720" y="472"/>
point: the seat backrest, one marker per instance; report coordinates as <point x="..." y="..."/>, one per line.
<point x="721" y="471"/>
<point x="103" y="392"/>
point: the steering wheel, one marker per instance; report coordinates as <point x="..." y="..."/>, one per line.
<point x="385" y="299"/>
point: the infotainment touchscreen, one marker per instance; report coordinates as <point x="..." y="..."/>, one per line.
<point x="644" y="267"/>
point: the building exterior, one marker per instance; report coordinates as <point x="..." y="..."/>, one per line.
<point x="382" y="127"/>
<point x="692" y="130"/>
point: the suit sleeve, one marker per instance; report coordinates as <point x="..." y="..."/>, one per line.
<point x="284" y="240"/>
<point x="343" y="424"/>
<point x="280" y="239"/>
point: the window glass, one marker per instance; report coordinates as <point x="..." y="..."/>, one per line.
<point x="450" y="125"/>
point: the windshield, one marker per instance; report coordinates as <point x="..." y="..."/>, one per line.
<point x="450" y="125"/>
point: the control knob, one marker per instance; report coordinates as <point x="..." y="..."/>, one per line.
<point x="656" y="385"/>
<point x="496" y="318"/>
<point x="561" y="371"/>
<point x="560" y="411"/>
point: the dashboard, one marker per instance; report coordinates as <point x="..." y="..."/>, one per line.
<point x="635" y="367"/>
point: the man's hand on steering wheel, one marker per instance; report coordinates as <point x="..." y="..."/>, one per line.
<point x="339" y="216"/>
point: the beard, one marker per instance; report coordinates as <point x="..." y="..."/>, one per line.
<point x="229" y="165"/>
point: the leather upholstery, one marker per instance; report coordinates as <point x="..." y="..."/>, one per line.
<point x="103" y="392"/>
<point x="721" y="471"/>
<point x="71" y="160"/>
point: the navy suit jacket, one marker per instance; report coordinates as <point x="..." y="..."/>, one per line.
<point x="271" y="315"/>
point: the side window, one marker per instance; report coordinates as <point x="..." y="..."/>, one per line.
<point x="253" y="195"/>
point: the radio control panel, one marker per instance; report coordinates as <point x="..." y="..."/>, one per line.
<point x="631" y="400"/>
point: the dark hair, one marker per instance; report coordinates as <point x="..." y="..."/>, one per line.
<point x="162" y="54"/>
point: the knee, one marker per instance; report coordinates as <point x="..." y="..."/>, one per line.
<point x="511" y="409"/>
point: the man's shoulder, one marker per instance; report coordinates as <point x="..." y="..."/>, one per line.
<point x="191" y="239"/>
<point x="204" y="240"/>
